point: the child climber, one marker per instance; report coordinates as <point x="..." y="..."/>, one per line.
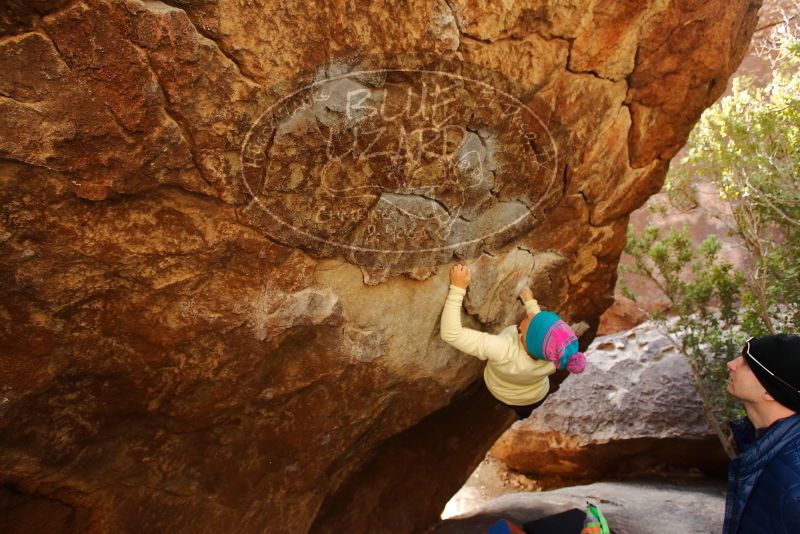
<point x="521" y="357"/>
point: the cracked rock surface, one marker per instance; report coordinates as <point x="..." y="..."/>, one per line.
<point x="226" y="229"/>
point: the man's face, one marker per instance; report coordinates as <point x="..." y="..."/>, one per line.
<point x="522" y="328"/>
<point x="742" y="383"/>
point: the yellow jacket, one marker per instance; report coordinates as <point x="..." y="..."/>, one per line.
<point x="511" y="374"/>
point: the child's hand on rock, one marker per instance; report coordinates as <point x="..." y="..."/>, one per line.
<point x="459" y="275"/>
<point x="526" y="294"/>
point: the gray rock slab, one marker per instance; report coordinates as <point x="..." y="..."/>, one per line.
<point x="694" y="507"/>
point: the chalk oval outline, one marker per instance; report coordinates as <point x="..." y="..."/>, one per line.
<point x="352" y="74"/>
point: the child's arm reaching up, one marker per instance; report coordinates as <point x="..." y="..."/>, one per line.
<point x="531" y="304"/>
<point x="480" y="344"/>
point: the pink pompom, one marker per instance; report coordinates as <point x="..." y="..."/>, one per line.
<point x="576" y="363"/>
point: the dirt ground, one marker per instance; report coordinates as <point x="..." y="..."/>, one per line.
<point x="490" y="480"/>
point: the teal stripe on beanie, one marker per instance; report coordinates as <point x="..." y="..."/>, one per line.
<point x="537" y="328"/>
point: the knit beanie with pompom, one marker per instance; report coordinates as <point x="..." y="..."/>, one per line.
<point x="549" y="338"/>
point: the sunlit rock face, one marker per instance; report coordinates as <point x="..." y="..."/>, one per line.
<point x="227" y="226"/>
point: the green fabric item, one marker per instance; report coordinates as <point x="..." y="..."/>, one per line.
<point x="595" y="514"/>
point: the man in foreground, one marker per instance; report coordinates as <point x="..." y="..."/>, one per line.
<point x="764" y="480"/>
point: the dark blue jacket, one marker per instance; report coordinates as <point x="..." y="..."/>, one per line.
<point x="764" y="480"/>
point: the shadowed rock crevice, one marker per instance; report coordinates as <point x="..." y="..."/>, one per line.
<point x="23" y="512"/>
<point x="409" y="460"/>
<point x="618" y="460"/>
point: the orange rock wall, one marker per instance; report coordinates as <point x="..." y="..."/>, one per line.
<point x="170" y="360"/>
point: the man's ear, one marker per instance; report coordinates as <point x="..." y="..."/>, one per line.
<point x="767" y="396"/>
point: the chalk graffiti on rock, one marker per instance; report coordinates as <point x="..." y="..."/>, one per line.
<point x="398" y="161"/>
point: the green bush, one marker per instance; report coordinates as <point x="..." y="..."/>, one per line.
<point x="748" y="147"/>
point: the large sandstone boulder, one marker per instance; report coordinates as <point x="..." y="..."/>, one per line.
<point x="633" y="411"/>
<point x="225" y="232"/>
<point x="624" y="314"/>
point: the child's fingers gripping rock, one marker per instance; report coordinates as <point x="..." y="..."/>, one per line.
<point x="526" y="294"/>
<point x="459" y="275"/>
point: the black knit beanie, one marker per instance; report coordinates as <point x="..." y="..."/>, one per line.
<point x="780" y="354"/>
